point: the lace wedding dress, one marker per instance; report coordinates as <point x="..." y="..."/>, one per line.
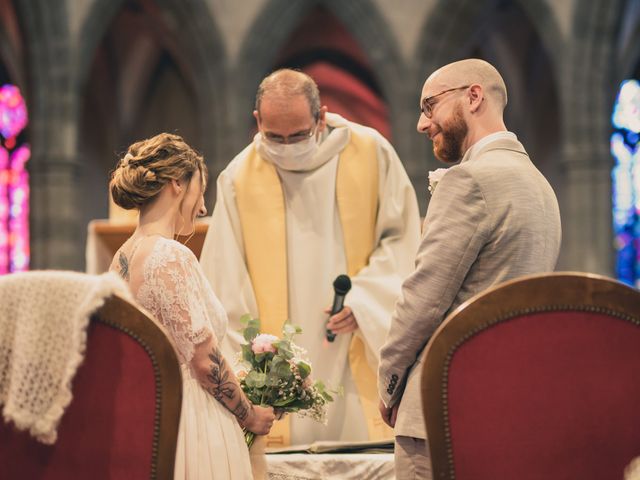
<point x="174" y="289"/>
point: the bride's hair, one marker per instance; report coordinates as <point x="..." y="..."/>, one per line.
<point x="149" y="165"/>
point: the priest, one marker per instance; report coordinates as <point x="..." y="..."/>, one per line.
<point x="312" y="197"/>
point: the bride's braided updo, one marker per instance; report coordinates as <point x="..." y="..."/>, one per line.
<point x="149" y="165"/>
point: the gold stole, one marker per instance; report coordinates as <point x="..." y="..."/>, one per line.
<point x="260" y="201"/>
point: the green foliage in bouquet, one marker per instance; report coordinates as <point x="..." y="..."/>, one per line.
<point x="278" y="373"/>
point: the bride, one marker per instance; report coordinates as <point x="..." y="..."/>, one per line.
<point x="165" y="179"/>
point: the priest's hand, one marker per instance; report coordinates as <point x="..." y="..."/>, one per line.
<point x="342" y="322"/>
<point x="388" y="414"/>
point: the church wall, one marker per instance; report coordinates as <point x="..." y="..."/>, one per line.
<point x="227" y="46"/>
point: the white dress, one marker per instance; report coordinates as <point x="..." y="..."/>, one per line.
<point x="210" y="441"/>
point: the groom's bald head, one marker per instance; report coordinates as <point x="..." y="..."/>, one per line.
<point x="468" y="72"/>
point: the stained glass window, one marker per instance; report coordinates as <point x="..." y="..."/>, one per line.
<point x="626" y="182"/>
<point x="14" y="182"/>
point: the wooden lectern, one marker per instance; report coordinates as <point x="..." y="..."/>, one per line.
<point x="105" y="238"/>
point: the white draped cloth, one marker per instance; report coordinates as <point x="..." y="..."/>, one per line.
<point x="43" y="334"/>
<point x="345" y="466"/>
<point x="315" y="256"/>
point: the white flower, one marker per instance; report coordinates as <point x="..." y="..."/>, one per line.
<point x="434" y="177"/>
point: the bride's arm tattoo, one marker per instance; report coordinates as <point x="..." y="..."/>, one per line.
<point x="222" y="384"/>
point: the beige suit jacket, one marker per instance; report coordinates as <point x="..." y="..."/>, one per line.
<point x="491" y="218"/>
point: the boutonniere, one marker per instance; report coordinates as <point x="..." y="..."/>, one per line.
<point x="434" y="177"/>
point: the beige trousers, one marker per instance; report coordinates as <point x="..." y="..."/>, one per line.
<point x="412" y="460"/>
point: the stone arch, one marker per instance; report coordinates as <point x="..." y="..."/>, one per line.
<point x="204" y="62"/>
<point x="589" y="71"/>
<point x="448" y="24"/>
<point x="454" y="29"/>
<point x="361" y="17"/>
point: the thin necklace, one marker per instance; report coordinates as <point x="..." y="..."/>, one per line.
<point x="144" y="234"/>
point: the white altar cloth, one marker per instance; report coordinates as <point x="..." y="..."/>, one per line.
<point x="343" y="466"/>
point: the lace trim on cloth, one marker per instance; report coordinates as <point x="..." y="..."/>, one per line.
<point x="43" y="321"/>
<point x="176" y="292"/>
<point x="279" y="476"/>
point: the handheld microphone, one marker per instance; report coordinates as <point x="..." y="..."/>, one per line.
<point x="341" y="285"/>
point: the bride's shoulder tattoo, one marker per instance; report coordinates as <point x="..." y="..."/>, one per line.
<point x="124" y="266"/>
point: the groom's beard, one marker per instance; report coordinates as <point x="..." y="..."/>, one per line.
<point x="452" y="135"/>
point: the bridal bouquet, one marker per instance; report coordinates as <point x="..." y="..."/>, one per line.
<point x="278" y="374"/>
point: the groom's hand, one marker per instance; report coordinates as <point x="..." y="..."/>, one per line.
<point x="388" y="414"/>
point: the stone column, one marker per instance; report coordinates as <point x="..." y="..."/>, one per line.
<point x="56" y="233"/>
<point x="589" y="92"/>
<point x="586" y="212"/>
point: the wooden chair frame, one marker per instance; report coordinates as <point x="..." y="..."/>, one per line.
<point x="119" y="314"/>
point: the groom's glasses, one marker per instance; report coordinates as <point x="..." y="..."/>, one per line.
<point x="428" y="104"/>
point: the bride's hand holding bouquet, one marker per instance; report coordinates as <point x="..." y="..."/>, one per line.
<point x="278" y="374"/>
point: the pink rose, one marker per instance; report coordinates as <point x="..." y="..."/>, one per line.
<point x="264" y="343"/>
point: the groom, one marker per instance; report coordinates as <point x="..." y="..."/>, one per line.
<point x="492" y="217"/>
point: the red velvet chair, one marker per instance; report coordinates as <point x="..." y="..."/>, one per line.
<point x="123" y="420"/>
<point x="538" y="378"/>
